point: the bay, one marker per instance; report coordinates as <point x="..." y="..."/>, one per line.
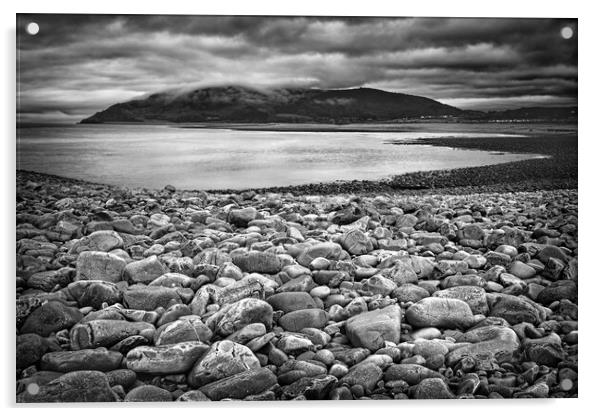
<point x="189" y="158"/>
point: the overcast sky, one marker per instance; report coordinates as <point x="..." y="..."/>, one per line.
<point x="80" y="64"/>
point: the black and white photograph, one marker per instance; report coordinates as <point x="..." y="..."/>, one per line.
<point x="295" y="207"/>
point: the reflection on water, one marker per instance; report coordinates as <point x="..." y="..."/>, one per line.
<point x="153" y="156"/>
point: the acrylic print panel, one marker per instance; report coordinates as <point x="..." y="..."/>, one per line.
<point x="280" y="208"/>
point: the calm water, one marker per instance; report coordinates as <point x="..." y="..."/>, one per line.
<point x="153" y="156"/>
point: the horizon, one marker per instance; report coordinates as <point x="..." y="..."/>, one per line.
<point x="78" y="65"/>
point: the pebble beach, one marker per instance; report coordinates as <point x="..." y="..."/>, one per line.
<point x="354" y="291"/>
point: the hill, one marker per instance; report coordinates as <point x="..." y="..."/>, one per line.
<point x="293" y="105"/>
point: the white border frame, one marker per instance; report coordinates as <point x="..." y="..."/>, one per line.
<point x="589" y="190"/>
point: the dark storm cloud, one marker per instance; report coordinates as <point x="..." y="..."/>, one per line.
<point x="79" y="64"/>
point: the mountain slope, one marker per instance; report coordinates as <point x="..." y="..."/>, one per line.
<point x="242" y="104"/>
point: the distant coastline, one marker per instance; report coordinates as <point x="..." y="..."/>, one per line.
<point x="408" y="126"/>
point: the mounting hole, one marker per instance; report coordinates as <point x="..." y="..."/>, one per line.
<point x="32" y="28"/>
<point x="566" y="32"/>
<point x="33" y="388"/>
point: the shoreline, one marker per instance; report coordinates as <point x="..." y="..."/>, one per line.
<point x="402" y="127"/>
<point x="557" y="171"/>
<point x="511" y="127"/>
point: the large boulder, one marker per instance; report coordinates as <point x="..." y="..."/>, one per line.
<point x="76" y="386"/>
<point x="513" y="309"/>
<point x="223" y="359"/>
<point x="549" y="251"/>
<point x="98" y="265"/>
<point x="94" y="293"/>
<point x="103" y="240"/>
<point x="366" y="375"/>
<point x="193" y="396"/>
<point x="372" y="329"/>
<point x="148" y="393"/>
<point x="173" y="280"/>
<point x="328" y="250"/>
<point x="229" y="270"/>
<point x="165" y="359"/>
<point x="303" y="283"/>
<point x="292" y="343"/>
<point x="186" y="328"/>
<point x="378" y="285"/>
<point x="144" y="271"/>
<point x="432" y="389"/>
<point x="521" y="270"/>
<point x="310" y="388"/>
<point x="105" y="333"/>
<point x="410" y="373"/>
<point x="37" y="379"/>
<point x="291" y="301"/>
<point x="474" y="296"/>
<point x="406" y="221"/>
<point x="122" y="377"/>
<point x="423" y="267"/>
<point x="241" y="385"/>
<point x="356" y="242"/>
<point x="563" y="289"/>
<point x="494" y="342"/>
<point x="233" y="317"/>
<point x="409" y="293"/>
<point x="149" y="298"/>
<point x="30" y="348"/>
<point x="258" y="262"/>
<point x="242" y="217"/>
<point x="440" y="313"/>
<point x="295" y="321"/>
<point x="48" y="280"/>
<point x="545" y="351"/>
<point x="471" y="232"/>
<point x="99" y="359"/>
<point x="249" y="287"/>
<point x="51" y="317"/>
<point x="246" y="334"/>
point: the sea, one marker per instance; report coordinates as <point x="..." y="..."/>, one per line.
<point x="153" y="156"/>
